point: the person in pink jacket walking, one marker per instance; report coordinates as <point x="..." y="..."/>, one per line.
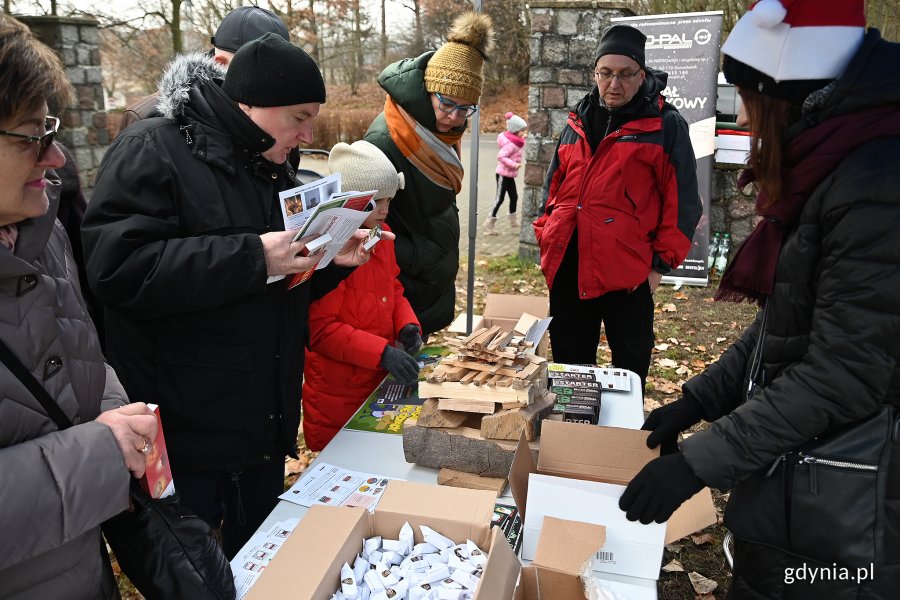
<point x="509" y="160"/>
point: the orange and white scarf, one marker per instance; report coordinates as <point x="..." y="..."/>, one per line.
<point x="435" y="155"/>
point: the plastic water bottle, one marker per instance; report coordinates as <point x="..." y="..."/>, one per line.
<point x="722" y="254"/>
<point x="713" y="250"/>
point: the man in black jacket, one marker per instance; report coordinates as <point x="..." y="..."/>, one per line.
<point x="181" y="234"/>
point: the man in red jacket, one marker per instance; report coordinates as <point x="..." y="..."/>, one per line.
<point x="620" y="208"/>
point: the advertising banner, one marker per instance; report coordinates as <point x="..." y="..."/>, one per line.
<point x="686" y="46"/>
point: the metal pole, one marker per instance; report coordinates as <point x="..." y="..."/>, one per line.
<point x="473" y="209"/>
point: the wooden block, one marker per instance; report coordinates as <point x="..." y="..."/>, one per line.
<point x="500" y="341"/>
<point x="519" y="391"/>
<point x="461" y="479"/>
<point x="432" y="416"/>
<point x="466" y="406"/>
<point x="481" y="377"/>
<point x="509" y="424"/>
<point x="480" y="366"/>
<point x="472" y="336"/>
<point x="466" y="379"/>
<point x="460" y="448"/>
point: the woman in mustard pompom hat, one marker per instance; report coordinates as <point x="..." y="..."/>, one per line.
<point x="430" y="99"/>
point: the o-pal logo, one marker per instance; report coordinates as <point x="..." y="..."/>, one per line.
<point x="679" y="41"/>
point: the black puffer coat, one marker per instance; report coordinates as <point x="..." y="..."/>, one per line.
<point x="831" y="350"/>
<point x="423" y="216"/>
<point x="173" y="248"/>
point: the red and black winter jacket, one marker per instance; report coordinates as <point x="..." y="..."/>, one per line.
<point x="626" y="180"/>
<point x="348" y="330"/>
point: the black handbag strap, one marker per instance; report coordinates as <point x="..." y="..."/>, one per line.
<point x="13" y="363"/>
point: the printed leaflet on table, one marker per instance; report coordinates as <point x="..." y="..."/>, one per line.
<point x="248" y="566"/>
<point x="334" y="486"/>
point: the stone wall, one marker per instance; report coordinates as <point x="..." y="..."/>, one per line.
<point x="564" y="37"/>
<point x="83" y="126"/>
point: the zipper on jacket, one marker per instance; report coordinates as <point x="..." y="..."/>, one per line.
<point x="775" y="464"/>
<point x="812" y="461"/>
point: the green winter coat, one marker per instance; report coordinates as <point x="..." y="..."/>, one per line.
<point x="423" y="215"/>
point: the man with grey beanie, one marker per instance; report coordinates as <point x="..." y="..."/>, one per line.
<point x="183" y="230"/>
<point x="620" y="206"/>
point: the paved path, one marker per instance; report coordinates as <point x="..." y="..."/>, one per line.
<point x="485" y="245"/>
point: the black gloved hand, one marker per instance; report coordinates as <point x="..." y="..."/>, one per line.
<point x="659" y="488"/>
<point x="666" y="422"/>
<point x="411" y="338"/>
<point x="403" y="367"/>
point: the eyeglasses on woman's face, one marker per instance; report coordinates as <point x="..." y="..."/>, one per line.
<point x="51" y="128"/>
<point x="449" y="106"/>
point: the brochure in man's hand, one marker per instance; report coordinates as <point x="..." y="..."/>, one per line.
<point x="319" y="208"/>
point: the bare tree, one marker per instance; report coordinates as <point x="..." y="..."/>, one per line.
<point x="418" y="40"/>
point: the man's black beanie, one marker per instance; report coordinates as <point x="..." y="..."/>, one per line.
<point x="624" y="40"/>
<point x="271" y="71"/>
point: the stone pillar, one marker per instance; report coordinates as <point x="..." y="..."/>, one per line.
<point x="83" y="126"/>
<point x="564" y="37"/>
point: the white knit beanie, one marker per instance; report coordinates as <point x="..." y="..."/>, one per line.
<point x="514" y="122"/>
<point x="364" y="167"/>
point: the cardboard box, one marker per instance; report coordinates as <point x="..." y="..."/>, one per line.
<point x="509" y="311"/>
<point x="580" y="474"/>
<point x="564" y="552"/>
<point x="307" y="567"/>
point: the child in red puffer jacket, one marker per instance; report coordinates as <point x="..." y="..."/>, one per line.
<point x="509" y="160"/>
<point x="364" y="328"/>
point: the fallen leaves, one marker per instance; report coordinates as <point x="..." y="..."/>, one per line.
<point x="673" y="567"/>
<point x="702" y="585"/>
<point x="702" y="538"/>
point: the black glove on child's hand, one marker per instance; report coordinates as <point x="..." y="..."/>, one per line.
<point x="666" y="422"/>
<point x="659" y="488"/>
<point x="403" y="367"/>
<point x="411" y="338"/>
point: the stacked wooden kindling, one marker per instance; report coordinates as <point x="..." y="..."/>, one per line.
<point x="492" y="373"/>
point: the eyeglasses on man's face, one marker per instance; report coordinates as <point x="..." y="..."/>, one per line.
<point x="448" y="106"/>
<point x="624" y="77"/>
<point x="51" y="128"/>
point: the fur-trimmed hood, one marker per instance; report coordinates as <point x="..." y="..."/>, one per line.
<point x="185" y="71"/>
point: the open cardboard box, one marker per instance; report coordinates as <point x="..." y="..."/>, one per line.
<point x="563" y="551"/>
<point x="509" y="311"/>
<point x="580" y="475"/>
<point x="308" y="565"/>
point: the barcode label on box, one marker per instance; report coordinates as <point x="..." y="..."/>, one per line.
<point x="605" y="558"/>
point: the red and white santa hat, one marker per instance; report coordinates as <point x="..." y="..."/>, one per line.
<point x="793" y="41"/>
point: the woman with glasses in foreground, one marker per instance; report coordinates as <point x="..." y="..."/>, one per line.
<point x="56" y="487"/>
<point x="430" y="99"/>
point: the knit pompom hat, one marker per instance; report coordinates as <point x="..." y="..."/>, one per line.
<point x="455" y="69"/>
<point x="364" y="167"/>
<point x="787" y="49"/>
<point x="514" y="123"/>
